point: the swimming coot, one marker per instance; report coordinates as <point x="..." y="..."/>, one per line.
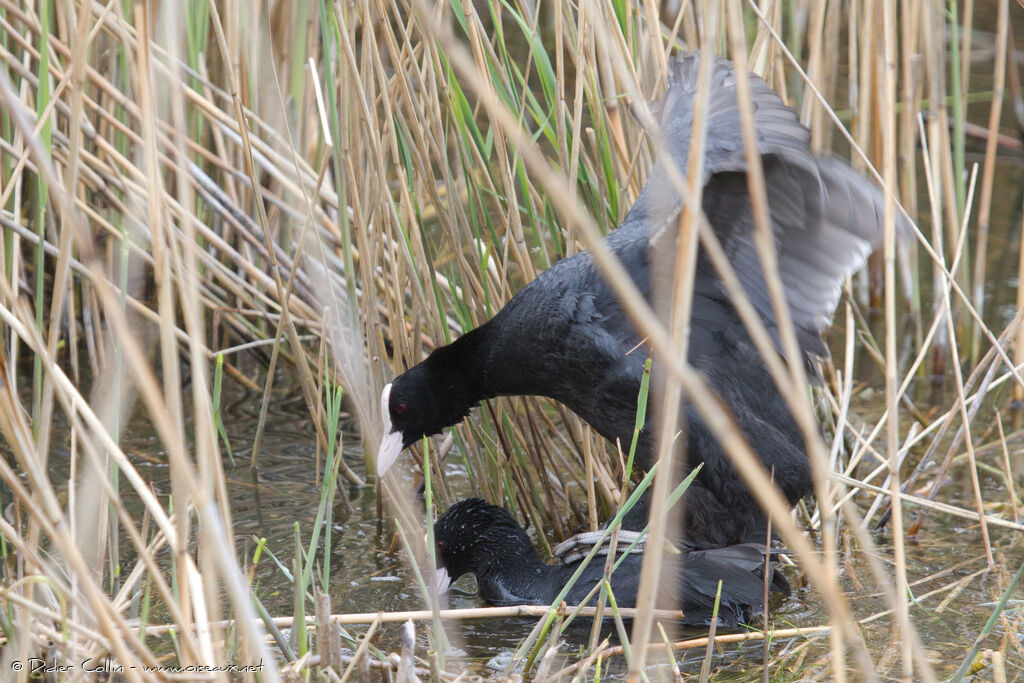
<point x="475" y="537"/>
<point x="566" y="337"/>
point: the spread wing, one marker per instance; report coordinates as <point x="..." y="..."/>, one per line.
<point x="825" y="217"/>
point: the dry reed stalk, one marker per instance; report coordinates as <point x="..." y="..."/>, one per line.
<point x="966" y="421"/>
<point x="1018" y="345"/>
<point x="987" y="182"/>
<point x="888" y="117"/>
<point x="697" y="643"/>
<point x="471" y="613"/>
<point x="372" y="218"/>
<point x="765" y="243"/>
<point x="946" y="508"/>
<point x="1008" y="470"/>
<point x="967" y="416"/>
<point x="680" y="299"/>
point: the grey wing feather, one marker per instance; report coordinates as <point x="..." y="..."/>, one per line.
<point x="851" y="225"/>
<point x="826" y="220"/>
<point x="776" y="125"/>
<point x="826" y="217"/>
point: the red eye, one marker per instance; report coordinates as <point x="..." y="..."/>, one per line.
<point x="400" y="408"/>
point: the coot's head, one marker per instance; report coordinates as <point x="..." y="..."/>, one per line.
<point x="422" y="401"/>
<point x="475" y="537"/>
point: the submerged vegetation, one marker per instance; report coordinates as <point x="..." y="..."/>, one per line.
<point x="198" y="195"/>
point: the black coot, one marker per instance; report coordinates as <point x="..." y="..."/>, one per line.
<point x="475" y="537"/>
<point x="566" y="337"/>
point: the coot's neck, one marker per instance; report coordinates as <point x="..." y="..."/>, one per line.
<point x="459" y="370"/>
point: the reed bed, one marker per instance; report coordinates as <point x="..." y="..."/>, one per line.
<point x="200" y="194"/>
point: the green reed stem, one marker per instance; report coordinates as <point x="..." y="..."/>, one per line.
<point x="987" y="629"/>
<point x="43" y="92"/>
<point x="299" y="633"/>
<point x="218" y="421"/>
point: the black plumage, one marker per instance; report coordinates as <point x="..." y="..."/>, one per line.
<point x="475" y="537"/>
<point x="566" y="337"/>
